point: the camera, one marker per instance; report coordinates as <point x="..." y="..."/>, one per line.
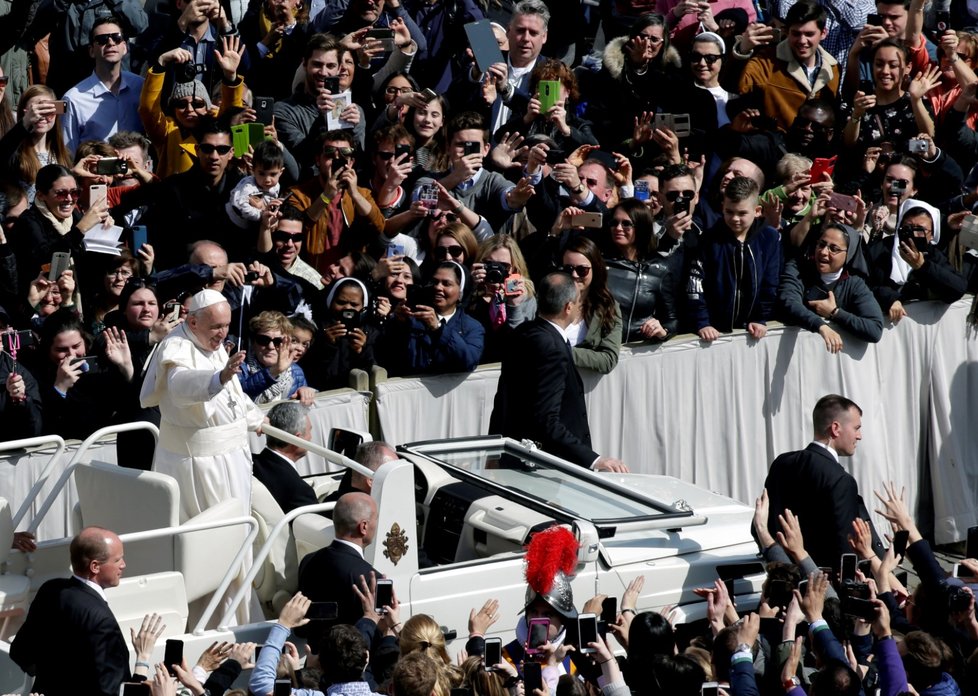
<point x="187" y="72"/>
<point x="917" y="146"/>
<point x="495" y="272"/>
<point x="252" y="276"/>
<point x="958" y="599"/>
<point x="899" y="187"/>
<point x="110" y="166"/>
<point x="350" y="318"/>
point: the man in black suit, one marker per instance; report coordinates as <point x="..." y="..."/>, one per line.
<point x="540" y="395"/>
<point x="72" y="613"/>
<point x="814" y="486"/>
<point x="274" y="466"/>
<point x="328" y="575"/>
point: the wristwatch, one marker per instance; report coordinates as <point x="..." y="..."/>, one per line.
<point x="743" y="647"/>
<point x="580" y="189"/>
<point x="791" y="682"/>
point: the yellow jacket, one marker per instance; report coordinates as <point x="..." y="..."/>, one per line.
<point x="176" y="149"/>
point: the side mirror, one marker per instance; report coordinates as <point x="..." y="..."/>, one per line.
<point x="346" y="442"/>
<point x="587" y="535"/>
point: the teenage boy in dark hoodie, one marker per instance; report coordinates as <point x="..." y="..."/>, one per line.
<point x="741" y="264"/>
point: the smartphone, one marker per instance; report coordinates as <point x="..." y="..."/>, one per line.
<point x="402" y="150"/>
<point x="968" y="236"/>
<point x="538" y="634"/>
<point x="900" y="540"/>
<point x="264" y="110"/>
<point x="494" y="652"/>
<point x="332" y="84"/>
<point x="97" y="193"/>
<point x="110" y="166"/>
<point x="874" y="20"/>
<point x="591" y="220"/>
<point x="971" y="550"/>
<point x="942" y="22"/>
<point x="140" y="237"/>
<point x="428" y="195"/>
<point x="609" y="610"/>
<point x="959" y="571"/>
<point x="821" y="166"/>
<point x="803" y="588"/>
<point x="394" y="250"/>
<point x="840" y="201"/>
<point x="779" y="593"/>
<point x="283" y="687"/>
<point x="641" y="190"/>
<point x="710" y="689"/>
<point x="471" y="147"/>
<point x="173" y="654"/>
<point x="867" y="86"/>
<point x="91" y="362"/>
<point x="322" y="611"/>
<point x="13" y="341"/>
<point x="548" y="92"/>
<point x="171" y="311"/>
<point x="59" y="107"/>
<point x="135" y="689"/>
<point x="60" y="261"/>
<point x="776" y="35"/>
<point x="532" y="677"/>
<point x="485" y="48"/>
<point x="587" y="632"/>
<point x="860" y="608"/>
<point x="816" y="293"/>
<point x="385" y="594"/>
<point x="555" y="156"/>
<point x="383" y="34"/>
<point x="847" y="565"/>
<point x="427" y="94"/>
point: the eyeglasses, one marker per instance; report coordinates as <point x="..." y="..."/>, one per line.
<point x="454" y="251"/>
<point x="686" y="194"/>
<point x="710" y="58"/>
<point x="329" y="152"/>
<point x="65" y="194"/>
<point x="119" y="273"/>
<point x="446" y="216"/>
<point x="103" y="39"/>
<point x="624" y="224"/>
<point x="654" y="40"/>
<point x="286" y="237"/>
<point x="579" y="271"/>
<point x="397" y="90"/>
<point x="833" y="249"/>
<point x="208" y="149"/>
<point x="4" y="80"/>
<point x="265" y="341"/>
<point x="189" y="103"/>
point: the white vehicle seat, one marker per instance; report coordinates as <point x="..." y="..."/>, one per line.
<point x="130" y="500"/>
<point x="278" y="579"/>
<point x="14" y="589"/>
<point x="312" y="532"/>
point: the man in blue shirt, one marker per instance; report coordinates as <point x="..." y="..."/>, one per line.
<point x="107" y="101"/>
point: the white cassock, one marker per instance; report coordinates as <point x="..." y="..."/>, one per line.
<point x="203" y="426"/>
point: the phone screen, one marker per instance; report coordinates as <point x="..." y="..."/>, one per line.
<point x="587" y="632"/>
<point x="532" y="677"/>
<point x="609" y="610"/>
<point x="539" y="632"/>
<point x="385" y="594"/>
<point x="321" y="611"/>
<point x="848" y="567"/>
<point x="494" y="651"/>
<point x="173" y="655"/>
<point x="971" y="550"/>
<point x="900" y="540"/>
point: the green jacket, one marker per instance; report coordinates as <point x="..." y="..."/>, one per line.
<point x="597" y="352"/>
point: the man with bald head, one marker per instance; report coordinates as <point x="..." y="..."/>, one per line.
<point x="328" y="575"/>
<point x="72" y="612"/>
<point x="205" y="416"/>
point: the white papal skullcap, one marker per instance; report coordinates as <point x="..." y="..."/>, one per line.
<point x="204" y="299"/>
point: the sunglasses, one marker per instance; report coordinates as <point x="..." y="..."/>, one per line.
<point x="710" y="58"/>
<point x="4" y="80"/>
<point x="384" y="155"/>
<point x="673" y="196"/>
<point x="103" y="39"/>
<point x="189" y="103"/>
<point x="454" y="251"/>
<point x="446" y="216"/>
<point x="624" y="224"/>
<point x="264" y="341"/>
<point x="208" y="149"/>
<point x="65" y="194"/>
<point x="329" y="152"/>
<point x="579" y="271"/>
<point x="286" y="237"/>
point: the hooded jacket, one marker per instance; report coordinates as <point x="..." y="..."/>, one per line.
<point x="719" y="252"/>
<point x="892" y="278"/>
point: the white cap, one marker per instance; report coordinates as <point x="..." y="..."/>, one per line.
<point x="204" y="299"/>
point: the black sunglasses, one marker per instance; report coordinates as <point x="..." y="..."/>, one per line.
<point x="455" y="251"/>
<point x="710" y="58"/>
<point x="208" y="149"/>
<point x="188" y="103"/>
<point x="329" y="152"/>
<point x="103" y="39"/>
<point x="580" y="271"/>
<point x="673" y="196"/>
<point x="285" y="237"/>
<point x="264" y="341"/>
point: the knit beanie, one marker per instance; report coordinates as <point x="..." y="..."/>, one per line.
<point x="193" y="90"/>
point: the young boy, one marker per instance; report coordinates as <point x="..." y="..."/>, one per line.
<point x="741" y="262"/>
<point x="251" y="194"/>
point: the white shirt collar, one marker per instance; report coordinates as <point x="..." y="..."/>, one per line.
<point x="282" y="457"/>
<point x="447" y="317"/>
<point x="560" y="329"/>
<point x="351" y="545"/>
<point x="835" y="455"/>
<point x="94" y="586"/>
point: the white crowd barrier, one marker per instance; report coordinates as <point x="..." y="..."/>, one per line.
<point x="717" y="415"/>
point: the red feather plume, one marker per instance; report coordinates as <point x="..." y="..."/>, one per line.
<point x="551" y="550"/>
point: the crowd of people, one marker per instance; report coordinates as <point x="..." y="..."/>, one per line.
<point x="365" y="189"/>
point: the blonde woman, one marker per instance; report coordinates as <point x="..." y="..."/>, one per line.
<point x="504" y="296"/>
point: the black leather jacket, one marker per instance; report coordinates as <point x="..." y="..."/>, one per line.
<point x="643" y="289"/>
